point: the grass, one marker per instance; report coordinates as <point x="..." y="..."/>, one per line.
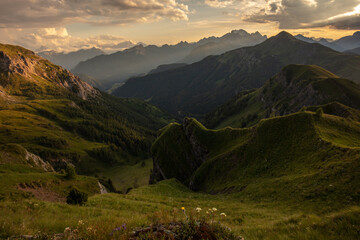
<point x="16" y="179"/>
<point x="125" y="177"/>
<point x="293" y="177"/>
<point x="39" y="113"/>
<point x="292" y="196"/>
<point x="287" y="92"/>
<point x="156" y="203"/>
<point x="301" y="155"/>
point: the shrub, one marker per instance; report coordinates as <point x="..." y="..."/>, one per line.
<point x="76" y="197"/>
<point x="319" y="112"/>
<point x="303" y="109"/>
<point x="70" y="172"/>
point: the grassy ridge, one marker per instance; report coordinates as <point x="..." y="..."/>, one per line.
<point x="299" y="156"/>
<point x="294" y="87"/>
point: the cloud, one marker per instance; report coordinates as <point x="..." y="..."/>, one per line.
<point x="292" y="14"/>
<point x="59" y="40"/>
<point x="346" y="21"/>
<point x="55" y="13"/>
<point x="218" y="3"/>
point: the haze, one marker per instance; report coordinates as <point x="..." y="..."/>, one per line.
<point x="68" y="25"/>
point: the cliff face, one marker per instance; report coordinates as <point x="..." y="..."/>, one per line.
<point x="19" y="63"/>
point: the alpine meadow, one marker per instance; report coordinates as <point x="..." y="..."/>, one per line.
<point x="180" y="120"/>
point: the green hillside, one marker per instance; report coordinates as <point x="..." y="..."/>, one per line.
<point x="162" y="202"/>
<point x="290" y="90"/>
<point x="302" y="156"/>
<point x="53" y="114"/>
<point x="201" y="87"/>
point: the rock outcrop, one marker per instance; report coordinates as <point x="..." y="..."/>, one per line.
<point x="17" y="60"/>
<point x="37" y="161"/>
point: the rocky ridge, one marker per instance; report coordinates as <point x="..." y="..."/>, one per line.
<point x="30" y="66"/>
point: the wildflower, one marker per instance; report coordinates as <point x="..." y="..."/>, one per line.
<point x="222" y="214"/>
<point x="80" y="223"/>
<point x="214" y="209"/>
<point x="207" y="212"/>
<point x="124" y="226"/>
<point x="198" y="209"/>
<point x="67" y="231"/>
<point x="89" y="229"/>
<point x="183" y="209"/>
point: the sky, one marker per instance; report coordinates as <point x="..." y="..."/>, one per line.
<point x="68" y="25"/>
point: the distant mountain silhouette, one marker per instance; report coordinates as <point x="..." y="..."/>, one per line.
<point x="321" y="41"/>
<point x="139" y="60"/>
<point x="349" y="42"/>
<point x="71" y="59"/>
<point x="200" y="87"/>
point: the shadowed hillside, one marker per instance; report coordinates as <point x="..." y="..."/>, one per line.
<point x="201" y="87"/>
<point x="294" y="87"/>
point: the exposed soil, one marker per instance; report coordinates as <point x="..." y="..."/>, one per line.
<point x="43" y="194"/>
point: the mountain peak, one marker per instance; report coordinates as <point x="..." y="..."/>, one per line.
<point x="283" y="35"/>
<point x="240" y="31"/>
<point x="15" y="60"/>
<point x="356" y="34"/>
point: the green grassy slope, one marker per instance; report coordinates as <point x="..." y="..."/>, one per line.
<point x="55" y="115"/>
<point x="287" y="92"/>
<point x="24" y="176"/>
<point x="162" y="203"/>
<point x="201" y="87"/>
<point x="296" y="157"/>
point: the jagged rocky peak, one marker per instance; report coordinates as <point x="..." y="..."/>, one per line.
<point x="81" y="88"/>
<point x="18" y="60"/>
<point x="138" y="49"/>
<point x="241" y="34"/>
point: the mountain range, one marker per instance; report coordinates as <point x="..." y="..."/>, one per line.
<point x="200" y="87"/>
<point x="139" y="60"/>
<point x="343" y="44"/>
<point x="71" y="59"/>
<point x="219" y="45"/>
<point x="322" y="41"/>
<point x="349" y="42"/>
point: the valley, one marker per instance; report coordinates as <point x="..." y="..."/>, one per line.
<point x="259" y="142"/>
